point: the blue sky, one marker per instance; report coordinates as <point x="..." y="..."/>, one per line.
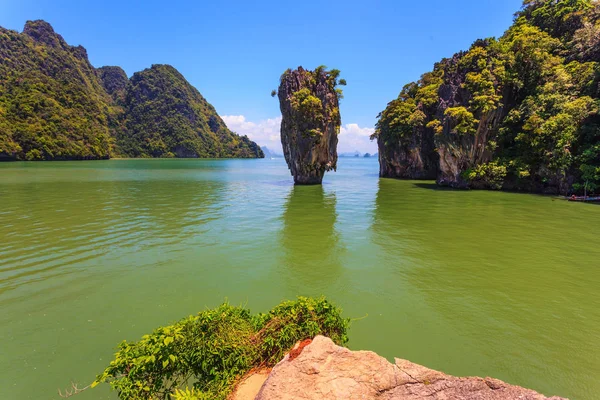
<point x="235" y="51"/>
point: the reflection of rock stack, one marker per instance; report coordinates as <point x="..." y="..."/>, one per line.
<point x="309" y="237"/>
<point x="310" y="122"/>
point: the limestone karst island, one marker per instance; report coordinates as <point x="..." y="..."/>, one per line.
<point x="413" y="213"/>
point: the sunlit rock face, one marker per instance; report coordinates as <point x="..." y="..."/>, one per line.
<point x="310" y="122"/>
<point x="320" y="370"/>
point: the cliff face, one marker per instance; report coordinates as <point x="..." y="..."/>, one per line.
<point x="319" y="369"/>
<point x="54" y="105"/>
<point x="462" y="143"/>
<point x="411" y="157"/>
<point x="310" y="124"/>
<point x="518" y="113"/>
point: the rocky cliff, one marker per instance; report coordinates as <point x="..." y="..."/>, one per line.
<point x="518" y="113"/>
<point x="54" y="105"/>
<point x="320" y="370"/>
<point x="309" y="103"/>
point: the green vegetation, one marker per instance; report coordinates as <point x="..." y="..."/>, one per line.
<point x="214" y="349"/>
<point x="55" y="106"/>
<point x="52" y="105"/>
<point x="533" y="93"/>
<point x="312" y="109"/>
<point x="114" y="80"/>
<point x="166" y="116"/>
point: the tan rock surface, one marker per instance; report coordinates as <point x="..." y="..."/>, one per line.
<point x="250" y="386"/>
<point x="325" y="371"/>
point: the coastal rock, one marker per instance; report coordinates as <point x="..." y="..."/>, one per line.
<point x="460" y="150"/>
<point x="310" y="122"/>
<point x="411" y="157"/>
<point x="322" y="370"/>
<point x="436" y="137"/>
<point x="515" y="113"/>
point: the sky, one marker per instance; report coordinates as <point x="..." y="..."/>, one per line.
<point x="235" y="51"/>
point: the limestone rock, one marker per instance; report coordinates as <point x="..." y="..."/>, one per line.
<point x="310" y="123"/>
<point x="412" y="157"/>
<point x="325" y="371"/>
<point x="42" y="32"/>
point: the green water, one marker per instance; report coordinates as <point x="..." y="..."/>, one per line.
<point x="471" y="283"/>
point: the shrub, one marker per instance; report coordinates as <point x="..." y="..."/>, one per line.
<point x="490" y="176"/>
<point x="215" y="348"/>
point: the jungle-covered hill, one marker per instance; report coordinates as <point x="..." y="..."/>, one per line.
<point x="54" y="105"/>
<point x="519" y="112"/>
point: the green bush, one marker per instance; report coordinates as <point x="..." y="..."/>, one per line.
<point x="489" y="176"/>
<point x="214" y="349"/>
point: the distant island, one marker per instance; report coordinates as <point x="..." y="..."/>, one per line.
<point x="270" y="153"/>
<point x="357" y="154"/>
<point x="54" y="105"/>
<point x="517" y="113"/>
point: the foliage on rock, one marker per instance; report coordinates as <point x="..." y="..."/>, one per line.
<point x="309" y="103"/>
<point x="214" y="349"/>
<point x="529" y="99"/>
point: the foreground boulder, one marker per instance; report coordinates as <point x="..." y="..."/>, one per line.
<point x="322" y="370"/>
<point x="310" y="124"/>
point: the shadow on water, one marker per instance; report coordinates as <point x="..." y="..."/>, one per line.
<point x="432" y="186"/>
<point x="309" y="239"/>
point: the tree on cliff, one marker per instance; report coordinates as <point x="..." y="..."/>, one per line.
<point x="520" y="112"/>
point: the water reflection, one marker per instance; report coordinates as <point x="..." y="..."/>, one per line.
<point x="309" y="239"/>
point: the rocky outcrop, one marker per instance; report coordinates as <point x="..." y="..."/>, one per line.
<point x="321" y="370"/>
<point x="459" y="150"/>
<point x="114" y="80"/>
<point x="413" y="157"/>
<point x="439" y="138"/>
<point x="515" y="113"/>
<point x="310" y="122"/>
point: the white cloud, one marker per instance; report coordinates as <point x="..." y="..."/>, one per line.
<point x="353" y="137"/>
<point x="266" y="133"/>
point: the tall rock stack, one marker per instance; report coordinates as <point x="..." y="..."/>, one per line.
<point x="310" y="124"/>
